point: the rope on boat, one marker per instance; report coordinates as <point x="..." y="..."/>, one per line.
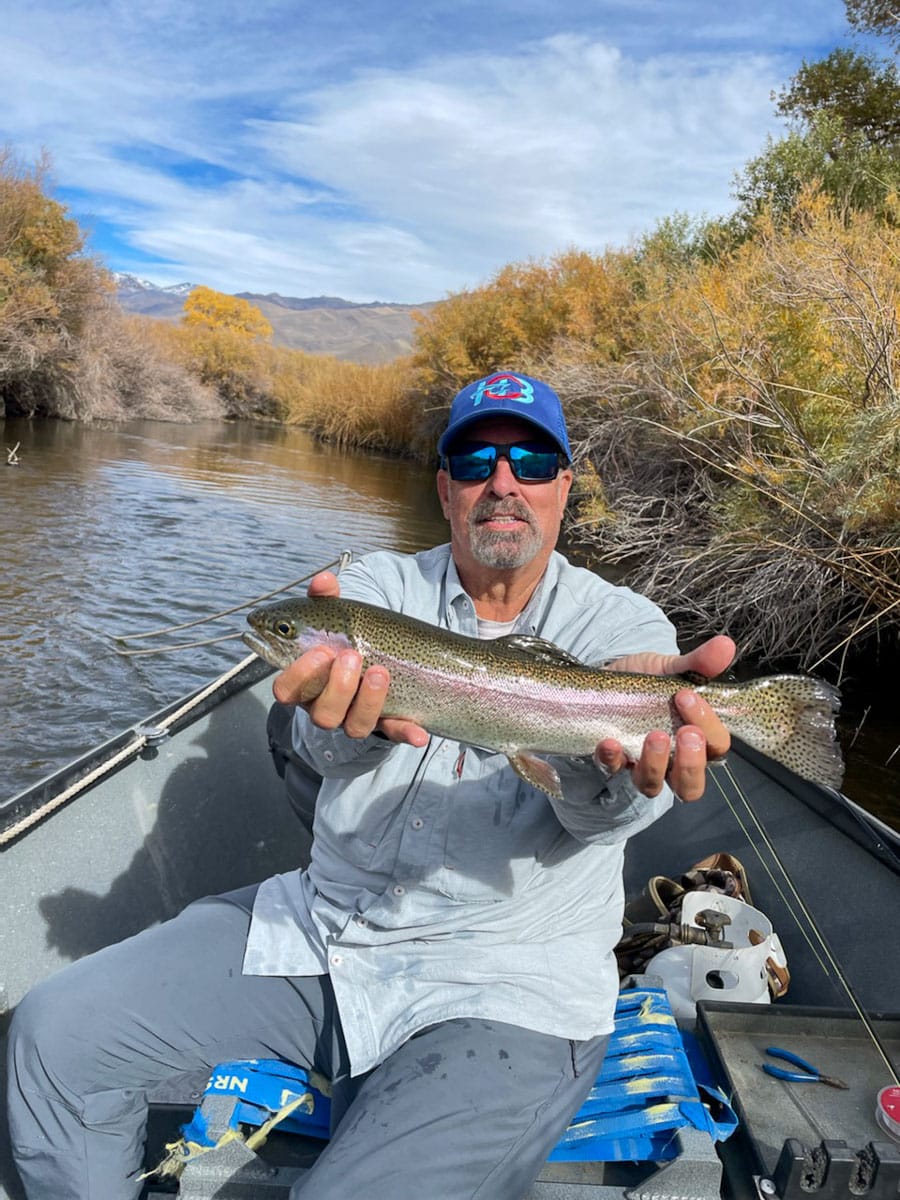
<point x="141" y="740"/>
<point x="813" y="927"/>
<point x="185" y="1150"/>
<point x="225" y="637"/>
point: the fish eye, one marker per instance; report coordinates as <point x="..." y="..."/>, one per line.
<point x="284" y="628"/>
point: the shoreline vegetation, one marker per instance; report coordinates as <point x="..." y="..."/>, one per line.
<point x="731" y="383"/>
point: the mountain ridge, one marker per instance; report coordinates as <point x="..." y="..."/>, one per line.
<point x="371" y="332"/>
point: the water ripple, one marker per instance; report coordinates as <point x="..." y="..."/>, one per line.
<point x="118" y="531"/>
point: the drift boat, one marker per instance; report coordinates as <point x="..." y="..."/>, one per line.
<point x="188" y="803"/>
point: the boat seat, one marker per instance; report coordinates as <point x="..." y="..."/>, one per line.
<point x="652" y="1098"/>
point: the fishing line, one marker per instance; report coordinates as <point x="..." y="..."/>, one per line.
<point x="225" y="637"/>
<point x="762" y="862"/>
<point x="810" y="919"/>
<point x="340" y="562"/>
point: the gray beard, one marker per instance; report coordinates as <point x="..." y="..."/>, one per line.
<point x="498" y="549"/>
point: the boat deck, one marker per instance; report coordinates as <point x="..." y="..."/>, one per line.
<point x="206" y="812"/>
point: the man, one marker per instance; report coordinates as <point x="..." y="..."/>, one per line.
<point x="446" y="959"/>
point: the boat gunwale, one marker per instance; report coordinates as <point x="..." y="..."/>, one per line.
<point x="43" y="792"/>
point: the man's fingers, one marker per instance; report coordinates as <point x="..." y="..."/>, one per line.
<point x="305" y="678"/>
<point x="324" y="584"/>
<point x="694" y="710"/>
<point x="709" y="659"/>
<point x="610" y="756"/>
<point x="329" y="709"/>
<point x="365" y="709"/>
<point x="687" y="776"/>
<point x="399" y="730"/>
<point x="651" y="768"/>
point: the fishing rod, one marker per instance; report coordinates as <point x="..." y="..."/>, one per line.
<point x="812" y="934"/>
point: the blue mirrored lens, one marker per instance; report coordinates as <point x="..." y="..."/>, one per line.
<point x="531" y="462"/>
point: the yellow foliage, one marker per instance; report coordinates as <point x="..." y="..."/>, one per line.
<point x="49" y="293"/>
<point x="205" y="308"/>
<point x="526" y="312"/>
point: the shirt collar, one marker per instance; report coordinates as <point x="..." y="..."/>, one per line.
<point x="458" y="601"/>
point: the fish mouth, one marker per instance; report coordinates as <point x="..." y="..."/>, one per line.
<point x="273" y="651"/>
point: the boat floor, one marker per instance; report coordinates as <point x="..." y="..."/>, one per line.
<point x="207" y="812"/>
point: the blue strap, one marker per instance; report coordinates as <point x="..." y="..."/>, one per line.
<point x="654" y="1081"/>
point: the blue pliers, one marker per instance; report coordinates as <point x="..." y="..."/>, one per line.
<point x="807" y="1073"/>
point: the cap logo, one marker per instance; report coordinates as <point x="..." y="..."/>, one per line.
<point x="503" y="387"/>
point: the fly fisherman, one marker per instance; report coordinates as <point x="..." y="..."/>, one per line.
<point x="446" y="959"/>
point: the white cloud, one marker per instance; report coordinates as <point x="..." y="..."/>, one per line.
<point x="409" y="173"/>
<point x="491" y="158"/>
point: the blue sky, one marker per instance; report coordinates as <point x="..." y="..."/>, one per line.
<point x="390" y="149"/>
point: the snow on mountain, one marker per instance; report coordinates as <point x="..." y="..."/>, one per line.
<point x="132" y="283"/>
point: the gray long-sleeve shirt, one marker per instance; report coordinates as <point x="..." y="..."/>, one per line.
<point x="441" y="884"/>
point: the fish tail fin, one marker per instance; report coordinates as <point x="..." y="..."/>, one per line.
<point x="792" y="719"/>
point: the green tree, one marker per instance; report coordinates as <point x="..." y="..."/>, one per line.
<point x="849" y="168"/>
<point x="875" y="16"/>
<point x="859" y="89"/>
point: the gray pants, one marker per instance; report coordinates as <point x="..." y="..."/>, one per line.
<point x="465" y="1108"/>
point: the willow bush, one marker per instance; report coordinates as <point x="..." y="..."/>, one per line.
<point x="526" y="312"/>
<point x="744" y="463"/>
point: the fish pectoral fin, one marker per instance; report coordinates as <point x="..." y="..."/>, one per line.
<point x="539" y="648"/>
<point x="538" y="772"/>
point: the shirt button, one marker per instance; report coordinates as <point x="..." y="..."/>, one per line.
<point x="362" y="921"/>
<point x="328" y="756"/>
<point x="417" y="822"/>
<point x="399" y="889"/>
<point x="336" y="960"/>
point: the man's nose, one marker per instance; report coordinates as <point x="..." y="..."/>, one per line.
<point x="503" y="482"/>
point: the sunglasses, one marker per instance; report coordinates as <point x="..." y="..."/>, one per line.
<point x="530" y="462"/>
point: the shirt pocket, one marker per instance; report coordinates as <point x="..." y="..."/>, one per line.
<point x="362" y="831"/>
<point x="497" y="830"/>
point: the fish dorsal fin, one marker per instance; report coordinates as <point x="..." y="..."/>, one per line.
<point x="539" y="648"/>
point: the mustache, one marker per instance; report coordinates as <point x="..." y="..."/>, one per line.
<point x="484" y="510"/>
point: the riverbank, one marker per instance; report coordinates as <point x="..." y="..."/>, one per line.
<point x="729" y="388"/>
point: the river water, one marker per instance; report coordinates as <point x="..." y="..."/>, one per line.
<point x="111" y="531"/>
<point x="115" y="531"/>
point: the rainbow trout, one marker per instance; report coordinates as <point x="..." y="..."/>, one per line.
<point x="526" y="698"/>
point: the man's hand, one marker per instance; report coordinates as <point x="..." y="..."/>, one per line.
<point x="334" y="690"/>
<point x="702" y="738"/>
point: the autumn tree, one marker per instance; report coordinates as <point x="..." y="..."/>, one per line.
<point x="525" y="312"/>
<point x="49" y="290"/>
<point x="207" y="309"/>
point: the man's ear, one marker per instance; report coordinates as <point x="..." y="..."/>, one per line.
<point x="443" y="491"/>
<point x="564" y="479"/>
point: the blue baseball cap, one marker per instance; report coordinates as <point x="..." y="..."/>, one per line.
<point x="508" y="395"/>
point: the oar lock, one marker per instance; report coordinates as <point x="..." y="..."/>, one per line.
<point x="154" y="736"/>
